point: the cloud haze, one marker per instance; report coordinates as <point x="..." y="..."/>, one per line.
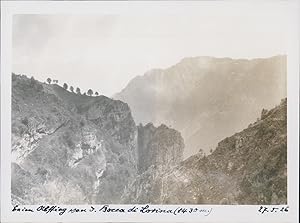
<point x="104" y="52"/>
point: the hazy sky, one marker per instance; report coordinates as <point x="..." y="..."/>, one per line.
<point x="104" y="52"/>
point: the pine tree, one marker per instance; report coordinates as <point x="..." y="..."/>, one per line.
<point x="90" y="92"/>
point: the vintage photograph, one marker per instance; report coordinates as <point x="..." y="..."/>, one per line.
<point x="149" y="109"/>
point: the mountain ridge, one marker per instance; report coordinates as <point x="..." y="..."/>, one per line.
<point x="88" y="146"/>
<point x="59" y="145"/>
<point x="206" y="99"/>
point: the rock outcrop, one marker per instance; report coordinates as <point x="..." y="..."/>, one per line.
<point x="159" y="147"/>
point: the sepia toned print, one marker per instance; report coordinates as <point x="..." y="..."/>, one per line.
<point x="202" y="130"/>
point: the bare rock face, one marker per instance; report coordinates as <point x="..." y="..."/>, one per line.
<point x="68" y="148"/>
<point x="159" y="147"/>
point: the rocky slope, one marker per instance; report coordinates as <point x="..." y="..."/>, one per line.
<point x="246" y="168"/>
<point x="69" y="148"/>
<point x="206" y="98"/>
<point x="75" y="149"/>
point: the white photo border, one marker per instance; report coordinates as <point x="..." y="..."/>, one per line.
<point x="220" y="213"/>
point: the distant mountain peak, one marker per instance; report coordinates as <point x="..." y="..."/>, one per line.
<point x="206" y="98"/>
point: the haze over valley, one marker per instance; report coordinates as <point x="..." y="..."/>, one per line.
<point x="206" y="98"/>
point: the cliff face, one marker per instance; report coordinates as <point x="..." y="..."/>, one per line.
<point x="69" y="148"/>
<point x="160" y="147"/>
<point x="246" y="168"/>
<point x="206" y="99"/>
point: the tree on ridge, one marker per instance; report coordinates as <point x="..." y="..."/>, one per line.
<point x="90" y="92"/>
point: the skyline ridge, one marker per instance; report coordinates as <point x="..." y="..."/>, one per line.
<point x="150" y="70"/>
